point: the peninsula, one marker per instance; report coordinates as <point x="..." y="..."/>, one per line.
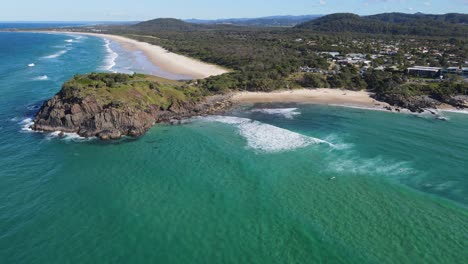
<point x="112" y="105"/>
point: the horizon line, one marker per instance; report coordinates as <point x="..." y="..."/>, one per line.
<point x="213" y="19"/>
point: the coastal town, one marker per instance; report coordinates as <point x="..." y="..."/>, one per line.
<point x="415" y="58"/>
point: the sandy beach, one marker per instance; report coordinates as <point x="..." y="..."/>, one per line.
<point x="359" y="99"/>
<point x="165" y="60"/>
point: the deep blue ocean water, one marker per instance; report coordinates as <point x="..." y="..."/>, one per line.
<point x="267" y="183"/>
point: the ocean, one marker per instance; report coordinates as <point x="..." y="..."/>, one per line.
<point x="265" y="183"/>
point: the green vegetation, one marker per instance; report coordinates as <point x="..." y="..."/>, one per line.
<point x="122" y="90"/>
<point x="270" y="58"/>
<point x="452" y="25"/>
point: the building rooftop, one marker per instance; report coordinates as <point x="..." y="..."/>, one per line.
<point x="422" y="68"/>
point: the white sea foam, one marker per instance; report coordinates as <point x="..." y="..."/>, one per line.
<point x="265" y="137"/>
<point x="285" y="112"/>
<point x="41" y="78"/>
<point x="111" y="56"/>
<point x="69" y="40"/>
<point x="67" y="136"/>
<point x="455" y="111"/>
<point x="31" y="65"/>
<point x="57" y="54"/>
<point x="26" y="125"/>
<point x="352" y="163"/>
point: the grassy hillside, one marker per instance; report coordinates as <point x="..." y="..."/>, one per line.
<point x="122" y="90"/>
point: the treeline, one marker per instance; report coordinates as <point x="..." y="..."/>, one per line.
<point x="394" y="24"/>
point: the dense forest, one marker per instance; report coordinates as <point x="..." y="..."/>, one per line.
<point x="271" y="21"/>
<point x="452" y="25"/>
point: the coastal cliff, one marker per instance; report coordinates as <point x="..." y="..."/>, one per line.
<point x="110" y="106"/>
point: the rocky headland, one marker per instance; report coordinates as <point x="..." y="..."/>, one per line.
<point x="109" y="106"/>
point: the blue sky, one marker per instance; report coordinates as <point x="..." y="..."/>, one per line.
<point x="121" y="10"/>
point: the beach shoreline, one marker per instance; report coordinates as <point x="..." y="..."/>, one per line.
<point x="323" y="96"/>
<point x="328" y="96"/>
<point x="159" y="57"/>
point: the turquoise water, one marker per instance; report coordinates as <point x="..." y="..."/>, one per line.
<point x="264" y="184"/>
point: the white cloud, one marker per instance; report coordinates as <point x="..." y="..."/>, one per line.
<point x="323" y="2"/>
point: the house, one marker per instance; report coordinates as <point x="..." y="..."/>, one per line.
<point x="452" y="70"/>
<point x="331" y="53"/>
<point x="424" y="72"/>
<point x="465" y="71"/>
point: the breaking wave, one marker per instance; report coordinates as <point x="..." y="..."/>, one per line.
<point x="67" y="136"/>
<point x="57" y="54"/>
<point x="288" y="113"/>
<point x="31" y="65"/>
<point x="265" y="137"/>
<point x="26" y="125"/>
<point x="110" y="58"/>
<point x="41" y="78"/>
<point x="28" y="122"/>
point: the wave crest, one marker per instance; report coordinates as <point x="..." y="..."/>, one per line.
<point x="41" y="78"/>
<point x="56" y="55"/>
<point x="288" y="113"/>
<point x="265" y="137"/>
<point x="111" y="56"/>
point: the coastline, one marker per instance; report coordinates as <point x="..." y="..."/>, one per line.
<point x="324" y="96"/>
<point x="328" y="96"/>
<point x="160" y="57"/>
<point x="181" y="65"/>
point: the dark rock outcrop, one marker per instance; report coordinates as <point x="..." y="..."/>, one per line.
<point x="88" y="118"/>
<point x="418" y="103"/>
<point x="412" y="103"/>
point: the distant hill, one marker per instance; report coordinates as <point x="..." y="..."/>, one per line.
<point x="271" y="21"/>
<point x="455" y="25"/>
<point x="165" y="24"/>
<point x="452" y="18"/>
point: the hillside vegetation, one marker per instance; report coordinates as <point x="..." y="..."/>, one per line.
<point x="122" y="90"/>
<point x="451" y="25"/>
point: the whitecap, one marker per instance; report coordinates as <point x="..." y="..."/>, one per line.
<point x="111" y="56"/>
<point x="57" y="54"/>
<point x="288" y="113"/>
<point x="26" y="124"/>
<point x="41" y="78"/>
<point x="31" y="65"/>
<point x="69" y="40"/>
<point x="352" y="163"/>
<point x="265" y="137"/>
<point x="67" y="136"/>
